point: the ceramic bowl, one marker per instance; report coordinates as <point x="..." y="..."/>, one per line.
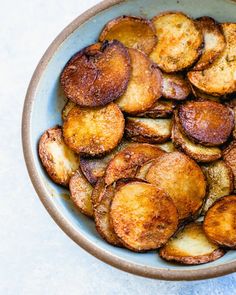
<point x="43" y="104"/>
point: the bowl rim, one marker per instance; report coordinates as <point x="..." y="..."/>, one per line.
<point x="62" y="222"/>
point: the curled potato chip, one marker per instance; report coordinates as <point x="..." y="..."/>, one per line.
<point x="132" y="31"/>
<point x="97" y="138"/>
<point x="229" y="155"/>
<point x="143" y="217"/>
<point x="179" y="41"/>
<point x="97" y="75"/>
<point x="144" y="86"/>
<point x="175" y="86"/>
<point x="162" y="108"/>
<point x="59" y="161"/>
<point x="191" y="246"/>
<point x="220" y="223"/>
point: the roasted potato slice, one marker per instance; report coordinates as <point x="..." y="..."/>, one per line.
<point x="132" y="31"/>
<point x="143" y="170"/>
<point x="219" y="78"/>
<point x="98" y="190"/>
<point x="191" y="246"/>
<point x="214" y="42"/>
<point x="180" y="177"/>
<point x="97" y="75"/>
<point x="59" y="161"/>
<point x="90" y="131"/>
<point x="232" y="104"/>
<point x="179" y="41"/>
<point x="143" y="216"/>
<point x="175" y="86"/>
<point x="207" y="122"/>
<point x="167" y="147"/>
<point x="67" y="108"/>
<point x="198" y="152"/>
<point x="144" y="86"/>
<point x="220" y="181"/>
<point x="126" y="162"/>
<point x="162" y="108"/>
<point x="201" y="95"/>
<point x="220" y="222"/>
<point x="81" y="191"/>
<point x="229" y="155"/>
<point x="148" y="130"/>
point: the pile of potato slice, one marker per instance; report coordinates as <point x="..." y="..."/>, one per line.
<point x="148" y="141"/>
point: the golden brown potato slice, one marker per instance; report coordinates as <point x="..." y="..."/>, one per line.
<point x="198" y="152"/>
<point x="126" y="162"/>
<point x="219" y="79"/>
<point x="214" y="42"/>
<point x="175" y="86"/>
<point x="144" y="86"/>
<point x="229" y="155"/>
<point x="191" y="246"/>
<point x="97" y="75"/>
<point x="132" y="31"/>
<point x="143" y="170"/>
<point x="148" y="130"/>
<point x="90" y="131"/>
<point x="81" y="191"/>
<point x="207" y="122"/>
<point x="182" y="179"/>
<point x="67" y="108"/>
<point x="143" y="216"/>
<point x="162" y="108"/>
<point x="58" y="160"/>
<point x="220" y="181"/>
<point x="179" y="41"/>
<point x="220" y="222"/>
<point x="167" y="147"/>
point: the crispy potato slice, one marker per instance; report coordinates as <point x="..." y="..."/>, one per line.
<point x="214" y="42"/>
<point x="175" y="86"/>
<point x="58" y="160"/>
<point x="81" y="191"/>
<point x="220" y="181"/>
<point x="207" y="122"/>
<point x="97" y="75"/>
<point x="144" y="86"/>
<point x="219" y="79"/>
<point x="148" y="130"/>
<point x="179" y="41"/>
<point x="132" y="31"/>
<point x="220" y="222"/>
<point x="167" y="147"/>
<point x="98" y="190"/>
<point x="143" y="170"/>
<point x="67" y="108"/>
<point x="93" y="168"/>
<point x="126" y="162"/>
<point x="162" y="108"/>
<point x="182" y="179"/>
<point x="143" y="216"/>
<point x="191" y="246"/>
<point x="198" y="152"/>
<point x="229" y="155"/>
<point x="90" y="131"/>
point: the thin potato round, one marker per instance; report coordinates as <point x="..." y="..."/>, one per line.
<point x="132" y="31"/>
<point x="126" y="162"/>
<point x="207" y="122"/>
<point x="220" y="181"/>
<point x="175" y="86"/>
<point x="214" y="42"/>
<point x="143" y="216"/>
<point x="229" y="155"/>
<point x="90" y="131"/>
<point x="179" y="41"/>
<point x="220" y="222"/>
<point x="182" y="179"/>
<point x="162" y="108"/>
<point x="144" y="86"/>
<point x="67" y="108"/>
<point x="143" y="170"/>
<point x="58" y="160"/>
<point x="191" y="246"/>
<point x="97" y="75"/>
<point x="81" y="191"/>
<point x="148" y="130"/>
<point x="219" y="78"/>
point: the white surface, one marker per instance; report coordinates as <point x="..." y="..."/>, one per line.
<point x="36" y="257"/>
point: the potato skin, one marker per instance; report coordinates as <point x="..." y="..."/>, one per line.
<point x="143" y="217"/>
<point x="56" y="156"/>
<point x="97" y="75"/>
<point x="134" y="32"/>
<point x="229" y="156"/>
<point x="175" y="86"/>
<point x="162" y="108"/>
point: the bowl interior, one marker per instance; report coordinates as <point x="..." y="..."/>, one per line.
<point x="49" y="100"/>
